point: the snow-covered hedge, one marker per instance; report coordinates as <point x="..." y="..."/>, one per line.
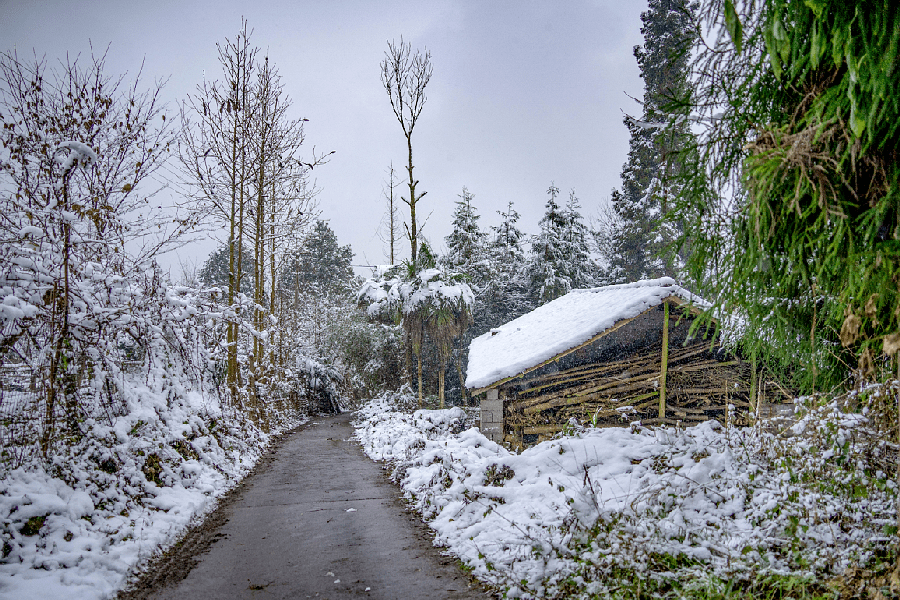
<point x="709" y="503"/>
<point x="76" y="527"/>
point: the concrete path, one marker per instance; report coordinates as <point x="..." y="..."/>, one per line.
<point x="318" y="519"/>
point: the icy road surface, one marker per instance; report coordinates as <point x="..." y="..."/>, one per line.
<point x="316" y="519"/>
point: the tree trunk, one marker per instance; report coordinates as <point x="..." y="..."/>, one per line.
<point x="413" y="230"/>
<point x="419" y="367"/>
<point x="462" y="380"/>
<point x="665" y="361"/>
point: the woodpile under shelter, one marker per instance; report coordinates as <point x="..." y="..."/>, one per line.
<point x="609" y="356"/>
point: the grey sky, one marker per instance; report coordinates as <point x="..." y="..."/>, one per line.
<point x="523" y="92"/>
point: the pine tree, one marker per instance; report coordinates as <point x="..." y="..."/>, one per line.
<point x="639" y="244"/>
<point x="506" y="294"/>
<point x="320" y="265"/>
<point x="465" y="244"/>
<point x="214" y="271"/>
<point x="548" y="267"/>
<point x="581" y="269"/>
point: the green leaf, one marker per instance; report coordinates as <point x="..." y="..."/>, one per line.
<point x="733" y="24"/>
<point x="815" y="54"/>
<point x="772" y="51"/>
<point x="857" y="123"/>
<point x="817" y="6"/>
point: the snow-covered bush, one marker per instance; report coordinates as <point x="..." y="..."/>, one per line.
<point x="78" y="524"/>
<point x="610" y="510"/>
<point x="76" y="147"/>
<point x="429" y="302"/>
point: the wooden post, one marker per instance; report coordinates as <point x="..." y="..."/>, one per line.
<point x="665" y="362"/>
<point x="753" y="407"/>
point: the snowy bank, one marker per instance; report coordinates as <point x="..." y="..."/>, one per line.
<point x="708" y="501"/>
<point x="77" y="527"/>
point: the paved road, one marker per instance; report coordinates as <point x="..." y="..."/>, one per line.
<point x="320" y="520"/>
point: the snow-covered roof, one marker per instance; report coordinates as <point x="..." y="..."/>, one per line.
<point x="563" y="324"/>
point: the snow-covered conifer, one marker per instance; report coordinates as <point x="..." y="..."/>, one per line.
<point x="466" y="243"/>
<point x="636" y="243"/>
<point x="560" y="254"/>
<point x="582" y="270"/>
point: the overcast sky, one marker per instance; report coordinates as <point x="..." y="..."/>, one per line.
<point x="523" y="92"/>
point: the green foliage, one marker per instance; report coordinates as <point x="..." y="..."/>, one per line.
<point x="214" y="271"/>
<point x="496" y="475"/>
<point x="560" y="259"/>
<point x="320" y="264"/>
<point x="802" y="237"/>
<point x="33" y="525"/>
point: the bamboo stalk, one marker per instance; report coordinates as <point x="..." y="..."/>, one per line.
<point x="658" y="421"/>
<point x="711" y="391"/>
<point x="705" y="365"/>
<point x="610" y="389"/>
<point x="543" y="429"/>
<point x="594" y="396"/>
<point x="753" y="383"/>
<point x="665" y="360"/>
<point x="582" y="372"/>
<point x="707" y="409"/>
<point x="557" y="378"/>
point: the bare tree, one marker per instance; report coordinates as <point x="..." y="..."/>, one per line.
<point x="405" y="75"/>
<point x="389" y="232"/>
<point x="285" y="201"/>
<point x="241" y="159"/>
<point x="214" y="157"/>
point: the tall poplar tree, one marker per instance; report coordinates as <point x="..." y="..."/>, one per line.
<point x="405" y="75"/>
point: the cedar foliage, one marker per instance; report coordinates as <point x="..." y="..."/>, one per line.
<point x="802" y="238"/>
<point x="635" y="238"/>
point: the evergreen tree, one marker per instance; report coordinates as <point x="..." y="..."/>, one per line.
<point x="508" y="237"/>
<point x="581" y="272"/>
<point x="466" y="255"/>
<point x="320" y="264"/>
<point x="215" y="272"/>
<point x="549" y="264"/>
<point x="506" y="293"/>
<point x="465" y="244"/>
<point x="639" y="245"/>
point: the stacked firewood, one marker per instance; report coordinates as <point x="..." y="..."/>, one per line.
<point x="699" y="386"/>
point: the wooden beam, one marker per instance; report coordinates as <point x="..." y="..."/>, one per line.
<point x="543" y="429"/>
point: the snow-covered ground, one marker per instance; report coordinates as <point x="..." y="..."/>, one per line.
<point x="708" y="501"/>
<point x="79" y="527"/>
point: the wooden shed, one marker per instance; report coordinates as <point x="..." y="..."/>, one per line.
<point x="609" y="356"/>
